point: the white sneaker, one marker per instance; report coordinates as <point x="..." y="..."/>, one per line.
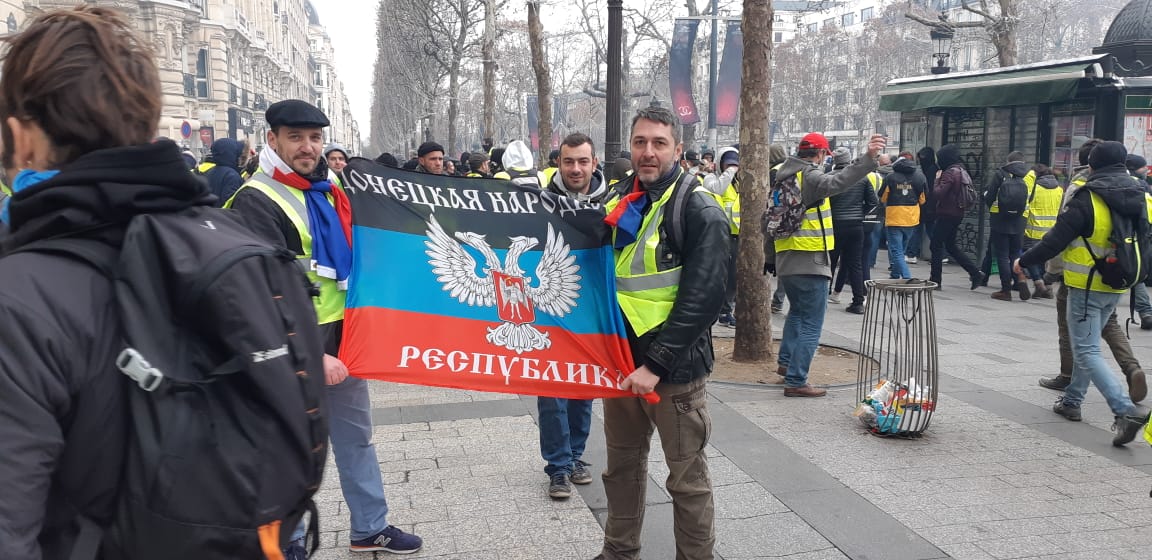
<point x="834" y="297"/>
<point x="911" y="260"/>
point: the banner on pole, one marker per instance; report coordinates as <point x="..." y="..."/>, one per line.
<point x="480" y="284"/>
<point x="680" y="70"/>
<point x="730" y="76"/>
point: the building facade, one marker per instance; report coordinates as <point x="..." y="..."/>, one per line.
<point x="223" y="62"/>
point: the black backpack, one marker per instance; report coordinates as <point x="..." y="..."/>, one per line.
<point x="1126" y="264"/>
<point x="228" y="432"/>
<point x="1013" y="196"/>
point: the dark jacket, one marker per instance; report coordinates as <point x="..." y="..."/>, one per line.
<point x="926" y="157"/>
<point x="598" y="190"/>
<point x="902" y="192"/>
<point x="949" y="191"/>
<point x="849" y="207"/>
<point x="1000" y="222"/>
<point x="680" y="350"/>
<point x="224" y="178"/>
<point x="62" y="414"/>
<point x="1113" y="184"/>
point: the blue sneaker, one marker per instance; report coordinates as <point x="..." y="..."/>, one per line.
<point x="296" y="551"/>
<point x="391" y="539"/>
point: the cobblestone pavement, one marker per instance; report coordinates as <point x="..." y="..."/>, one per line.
<point x="997" y="475"/>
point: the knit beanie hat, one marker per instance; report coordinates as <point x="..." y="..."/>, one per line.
<point x="1106" y="154"/>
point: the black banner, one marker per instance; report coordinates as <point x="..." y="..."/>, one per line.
<point x="728" y="82"/>
<point x="680" y="70"/>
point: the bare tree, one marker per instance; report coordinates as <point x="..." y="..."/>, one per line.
<point x="543" y="79"/>
<point x="405" y="86"/>
<point x="999" y="23"/>
<point x="754" y="331"/>
<point x="488" y="53"/>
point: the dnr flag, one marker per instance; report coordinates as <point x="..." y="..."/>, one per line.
<point x="480" y="284"/>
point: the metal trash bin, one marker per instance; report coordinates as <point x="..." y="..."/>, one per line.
<point x="898" y="375"/>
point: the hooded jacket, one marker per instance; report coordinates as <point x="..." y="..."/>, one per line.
<point x="224" y="177"/>
<point x="902" y="193"/>
<point x="949" y="187"/>
<point x="1115" y="186"/>
<point x="926" y="157"/>
<point x="598" y="190"/>
<point x="1000" y="222"/>
<point x="815" y="186"/>
<point x="63" y="419"/>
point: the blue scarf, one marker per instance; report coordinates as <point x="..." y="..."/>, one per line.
<point x="25" y="179"/>
<point x="331" y="251"/>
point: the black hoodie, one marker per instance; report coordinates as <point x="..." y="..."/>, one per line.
<point x="1000" y="222"/>
<point x="1115" y="186"/>
<point x="62" y="417"/>
<point x="926" y="158"/>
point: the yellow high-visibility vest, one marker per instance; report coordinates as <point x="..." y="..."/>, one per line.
<point x="1078" y="261"/>
<point x="330" y="303"/>
<point x="815" y="233"/>
<point x="1042" y="210"/>
<point x="730" y="201"/>
<point x="204" y="167"/>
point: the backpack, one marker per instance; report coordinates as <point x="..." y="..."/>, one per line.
<point x="785" y="212"/>
<point x="672" y="229"/>
<point x="1127" y="263"/>
<point x="227" y="433"/>
<point x="967" y="198"/>
<point x="1013" y="196"/>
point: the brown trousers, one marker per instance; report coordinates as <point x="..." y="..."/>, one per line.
<point x="1112" y="334"/>
<point x="682" y="420"/>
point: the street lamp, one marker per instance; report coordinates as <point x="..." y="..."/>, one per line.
<point x="942" y="47"/>
<point x="613" y="102"/>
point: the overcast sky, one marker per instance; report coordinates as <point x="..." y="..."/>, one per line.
<point x="352" y="26"/>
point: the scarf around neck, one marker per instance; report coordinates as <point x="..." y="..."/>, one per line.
<point x="329" y="223"/>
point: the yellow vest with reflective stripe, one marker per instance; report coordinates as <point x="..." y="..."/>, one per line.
<point x="330" y="303"/>
<point x="546" y="176"/>
<point x="645" y="293"/>
<point x="815" y="233"/>
<point x="1078" y="261"/>
<point x="1042" y="211"/>
<point x="1029" y="184"/>
<point x="730" y="202"/>
<point x="205" y="167"/>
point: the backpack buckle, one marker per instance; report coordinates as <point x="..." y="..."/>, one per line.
<point x="132" y="364"/>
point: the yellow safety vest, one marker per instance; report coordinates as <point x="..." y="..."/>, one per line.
<point x="1078" y="261"/>
<point x="876" y="180"/>
<point x="205" y="167"/>
<point x="1029" y="183"/>
<point x="474" y="174"/>
<point x="730" y="201"/>
<point x="815" y="233"/>
<point x="645" y="293"/>
<point x="5" y="190"/>
<point x="1043" y="207"/>
<point x="546" y="176"/>
<point x="330" y="303"/>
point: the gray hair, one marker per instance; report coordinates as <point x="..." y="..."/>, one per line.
<point x="662" y="115"/>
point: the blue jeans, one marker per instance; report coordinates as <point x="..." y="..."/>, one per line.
<point x="350" y="430"/>
<point x="1088" y="311"/>
<point x="898" y="238"/>
<point x="912" y="248"/>
<point x="1143" y="303"/>
<point x="873" y="239"/>
<point x="564" y="427"/>
<point x="808" y="296"/>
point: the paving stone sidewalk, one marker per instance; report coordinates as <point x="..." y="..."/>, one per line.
<point x="997" y="475"/>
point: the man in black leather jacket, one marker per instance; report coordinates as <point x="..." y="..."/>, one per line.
<point x="669" y="309"/>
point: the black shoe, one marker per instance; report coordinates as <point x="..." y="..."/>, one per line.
<point x="855" y="308"/>
<point x="1128" y="425"/>
<point x="979" y="279"/>
<point x="1146" y="322"/>
<point x="558" y="487"/>
<point x="1025" y="293"/>
<point x="1070" y="412"/>
<point x="1058" y="383"/>
<point x="1137" y="386"/>
<point x="580" y="473"/>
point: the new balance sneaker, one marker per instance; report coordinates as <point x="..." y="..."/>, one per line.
<point x="580" y="473"/>
<point x="558" y="486"/>
<point x="1070" y="412"/>
<point x="391" y="539"/>
<point x="1128" y="425"/>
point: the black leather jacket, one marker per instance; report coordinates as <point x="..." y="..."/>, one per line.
<point x="680" y="350"/>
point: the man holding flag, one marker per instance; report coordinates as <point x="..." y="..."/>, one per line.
<point x="670" y="285"/>
<point x="291" y="203"/>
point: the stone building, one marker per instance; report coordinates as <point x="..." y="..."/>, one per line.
<point x="223" y="62"/>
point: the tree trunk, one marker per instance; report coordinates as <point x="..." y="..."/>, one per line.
<point x="543" y="80"/>
<point x="754" y="328"/>
<point x="1003" y="33"/>
<point x="453" y="107"/>
<point x="488" y="49"/>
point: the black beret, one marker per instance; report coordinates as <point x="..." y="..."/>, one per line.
<point x="295" y="113"/>
<point x="429" y="147"/>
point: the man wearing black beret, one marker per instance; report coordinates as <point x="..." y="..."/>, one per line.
<point x="293" y="178"/>
<point x="431" y="158"/>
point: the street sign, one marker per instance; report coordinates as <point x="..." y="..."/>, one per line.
<point x="186" y="129"/>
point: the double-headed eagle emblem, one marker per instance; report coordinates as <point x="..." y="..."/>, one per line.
<point x="505" y="286"/>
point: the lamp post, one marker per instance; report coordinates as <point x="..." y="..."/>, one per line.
<point x="612" y="105"/>
<point x="942" y="47"/>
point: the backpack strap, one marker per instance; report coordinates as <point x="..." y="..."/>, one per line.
<point x="91" y="252"/>
<point x="674" y="211"/>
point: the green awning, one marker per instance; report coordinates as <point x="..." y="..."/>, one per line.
<point x="1029" y="84"/>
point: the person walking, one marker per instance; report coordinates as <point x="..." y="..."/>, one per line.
<point x="848" y="210"/>
<point x="949" y="191"/>
<point x="902" y="192"/>
<point x="291" y="203"/>
<point x="1043" y="206"/>
<point x="670" y="297"/>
